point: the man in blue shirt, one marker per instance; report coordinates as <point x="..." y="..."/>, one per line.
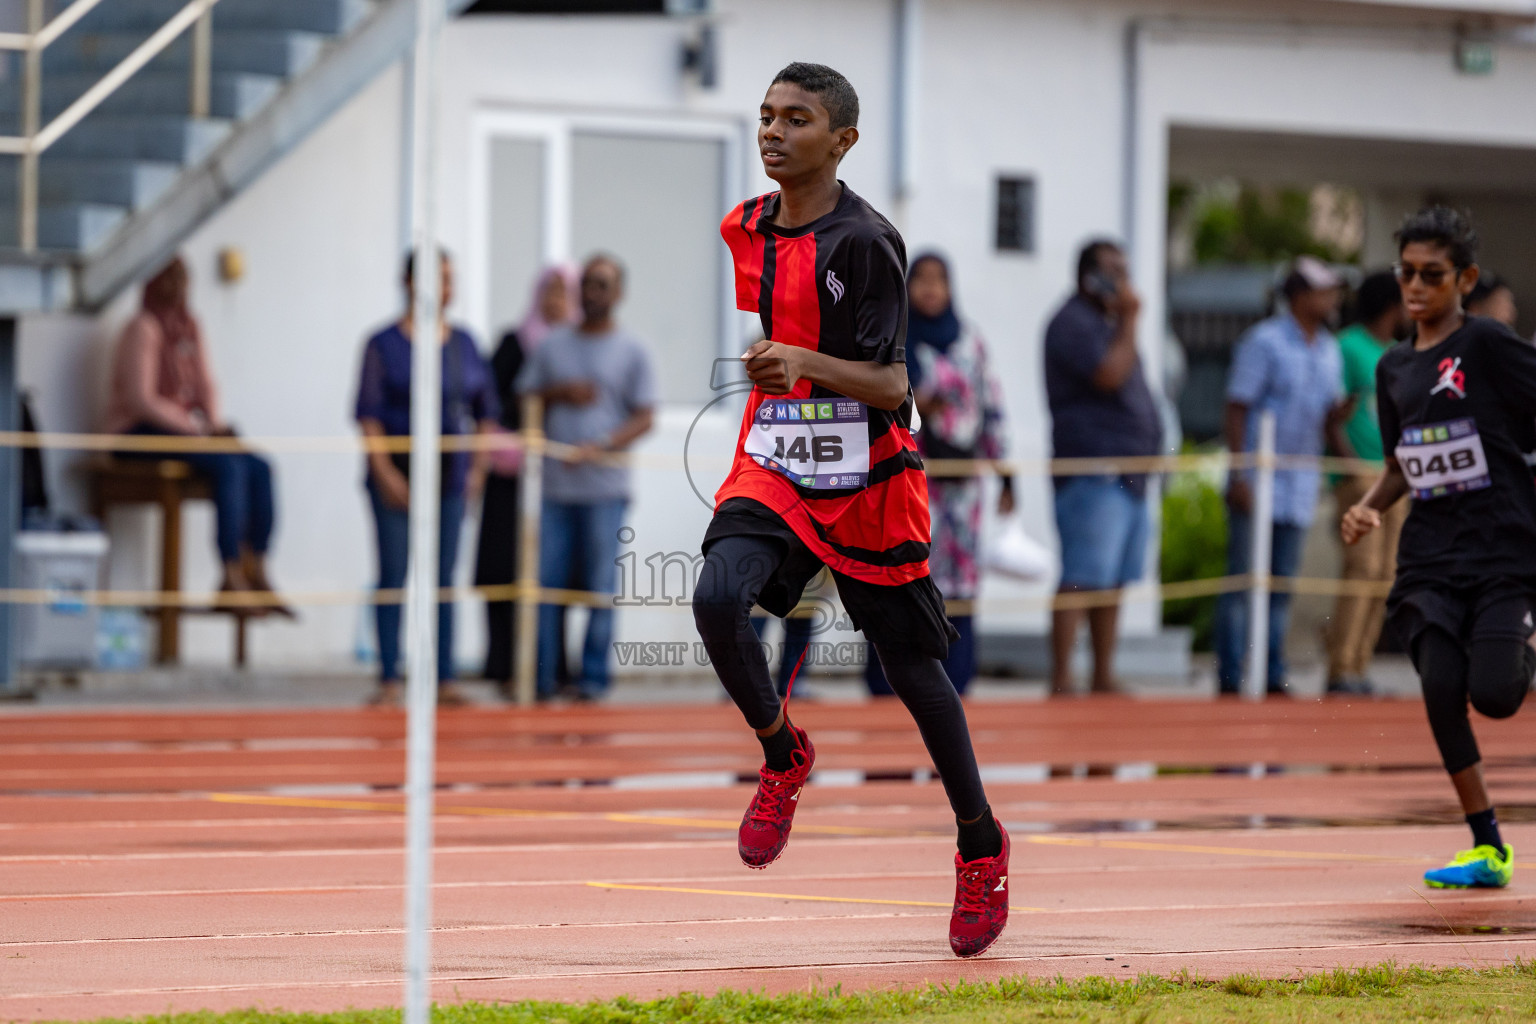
<point x="1101" y="407"/>
<point x="1289" y="365"/>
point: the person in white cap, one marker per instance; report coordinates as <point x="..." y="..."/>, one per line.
<point x="1290" y="365"/>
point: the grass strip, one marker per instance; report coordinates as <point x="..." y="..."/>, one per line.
<point x="1385" y="993"/>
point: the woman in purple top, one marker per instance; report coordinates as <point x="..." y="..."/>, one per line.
<point x="384" y="410"/>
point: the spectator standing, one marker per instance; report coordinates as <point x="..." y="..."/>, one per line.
<point x="1492" y="297"/>
<point x="553" y="305"/>
<point x="1289" y="365"/>
<point x="162" y="385"/>
<point x="1101" y="407"/>
<point x="384" y="410"/>
<point x="961" y="405"/>
<point x="1357" y="618"/>
<point x="599" y="395"/>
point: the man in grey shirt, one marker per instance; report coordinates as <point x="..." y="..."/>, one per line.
<point x="599" y="394"/>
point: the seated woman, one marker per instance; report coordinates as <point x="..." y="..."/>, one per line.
<point x="162" y="384"/>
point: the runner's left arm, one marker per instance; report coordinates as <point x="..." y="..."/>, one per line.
<point x="1515" y="359"/>
<point x="777" y="368"/>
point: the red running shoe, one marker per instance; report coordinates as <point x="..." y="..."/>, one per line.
<point x="981" y="901"/>
<point x="765" y="828"/>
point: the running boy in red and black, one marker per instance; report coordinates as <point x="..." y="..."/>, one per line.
<point x="826" y="474"/>
<point x="1457" y="405"/>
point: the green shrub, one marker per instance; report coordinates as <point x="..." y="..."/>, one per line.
<point x="1194" y="548"/>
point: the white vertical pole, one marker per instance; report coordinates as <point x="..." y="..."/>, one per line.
<point x="202" y="64"/>
<point x="1256" y="679"/>
<point x="422" y="596"/>
<point x="525" y="679"/>
<point x="31" y="123"/>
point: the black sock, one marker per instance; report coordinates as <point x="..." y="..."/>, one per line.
<point x="778" y="747"/>
<point x="980" y="838"/>
<point x="1485" y="830"/>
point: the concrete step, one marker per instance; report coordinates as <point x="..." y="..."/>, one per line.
<point x="330" y="16"/>
<point x="1163" y="654"/>
<point x="234" y="95"/>
<point x="167" y="138"/>
<point x="73" y="226"/>
<point x="260" y="51"/>
<point x="115" y="182"/>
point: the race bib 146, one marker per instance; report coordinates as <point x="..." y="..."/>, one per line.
<point x="1443" y="458"/>
<point x="821" y="444"/>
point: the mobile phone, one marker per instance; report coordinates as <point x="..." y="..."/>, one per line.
<point x="1101" y="285"/>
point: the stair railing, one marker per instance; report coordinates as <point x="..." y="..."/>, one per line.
<point x="35" y="138"/>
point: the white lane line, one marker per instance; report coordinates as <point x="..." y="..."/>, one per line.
<point x="574" y="926"/>
<point x="947" y="963"/>
<point x="290" y="890"/>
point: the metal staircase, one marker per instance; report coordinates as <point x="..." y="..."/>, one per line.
<point x="128" y="122"/>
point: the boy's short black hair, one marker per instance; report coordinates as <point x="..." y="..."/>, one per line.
<point x="1378" y="293"/>
<point x="1440" y="225"/>
<point x="1089" y="257"/>
<point x="835" y="92"/>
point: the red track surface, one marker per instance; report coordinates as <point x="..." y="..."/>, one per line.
<point x="182" y="861"/>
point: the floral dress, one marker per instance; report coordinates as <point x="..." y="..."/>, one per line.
<point x="970" y="425"/>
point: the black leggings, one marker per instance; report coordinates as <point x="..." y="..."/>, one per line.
<point x="735" y="570"/>
<point x="1493" y="672"/>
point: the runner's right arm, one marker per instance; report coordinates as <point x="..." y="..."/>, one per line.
<point x="1390" y="487"/>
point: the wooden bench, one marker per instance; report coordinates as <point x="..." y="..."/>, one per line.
<point x="167" y="483"/>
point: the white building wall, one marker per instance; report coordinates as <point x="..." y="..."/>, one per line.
<point x="320" y="237"/>
<point x="1033" y="88"/>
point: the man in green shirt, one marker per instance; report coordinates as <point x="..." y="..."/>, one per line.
<point x="1357" y="619"/>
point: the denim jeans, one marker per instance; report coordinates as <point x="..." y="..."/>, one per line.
<point x="394" y="538"/>
<point x="1232" y="640"/>
<point x="580" y="543"/>
<point x="243" y="502"/>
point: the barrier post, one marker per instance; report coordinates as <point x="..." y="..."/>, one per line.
<point x="531" y="503"/>
<point x="1256" y="679"/>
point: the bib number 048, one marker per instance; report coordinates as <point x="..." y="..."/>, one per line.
<point x="1441" y="459"/>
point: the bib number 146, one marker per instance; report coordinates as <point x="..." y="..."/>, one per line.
<point x="820" y="445"/>
<point x="822" y="448"/>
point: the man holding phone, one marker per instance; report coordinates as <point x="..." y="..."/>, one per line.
<point x="1101" y="407"/>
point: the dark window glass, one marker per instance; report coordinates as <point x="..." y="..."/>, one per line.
<point x="1016" y="214"/>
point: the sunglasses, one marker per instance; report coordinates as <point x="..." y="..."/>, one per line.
<point x="1432" y="277"/>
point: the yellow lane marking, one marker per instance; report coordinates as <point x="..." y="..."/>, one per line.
<point x="1235" y="851"/>
<point x="513" y="812"/>
<point x="779" y="896"/>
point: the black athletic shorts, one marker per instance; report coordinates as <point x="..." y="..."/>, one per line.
<point x="904" y="615"/>
<point x="1493" y="609"/>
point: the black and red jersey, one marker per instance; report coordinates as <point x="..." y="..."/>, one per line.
<point x="837" y="285"/>
<point x="1458" y="418"/>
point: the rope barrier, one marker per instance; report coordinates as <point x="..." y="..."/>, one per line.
<point x="256" y="600"/>
<point x="172" y="445"/>
<point x="533" y="443"/>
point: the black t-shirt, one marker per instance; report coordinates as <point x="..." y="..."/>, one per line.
<point x="1458" y="417"/>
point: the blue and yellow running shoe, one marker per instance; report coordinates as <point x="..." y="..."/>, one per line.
<point x="1481" y="867"/>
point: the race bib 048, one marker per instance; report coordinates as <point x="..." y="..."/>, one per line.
<point x="1443" y="458"/>
<point x="821" y="444"/>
